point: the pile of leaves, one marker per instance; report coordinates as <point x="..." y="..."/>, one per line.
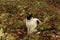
<point x="13" y="14"/>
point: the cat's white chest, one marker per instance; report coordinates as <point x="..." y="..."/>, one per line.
<point x="31" y="23"/>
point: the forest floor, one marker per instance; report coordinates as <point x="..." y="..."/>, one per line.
<point x="13" y="14"/>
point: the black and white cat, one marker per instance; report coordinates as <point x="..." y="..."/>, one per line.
<point x="31" y="23"/>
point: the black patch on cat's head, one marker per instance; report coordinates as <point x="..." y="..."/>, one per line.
<point x="29" y="16"/>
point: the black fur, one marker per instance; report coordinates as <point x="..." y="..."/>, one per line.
<point x="29" y="16"/>
<point x="37" y="22"/>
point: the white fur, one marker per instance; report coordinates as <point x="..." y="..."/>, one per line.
<point x="31" y="25"/>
